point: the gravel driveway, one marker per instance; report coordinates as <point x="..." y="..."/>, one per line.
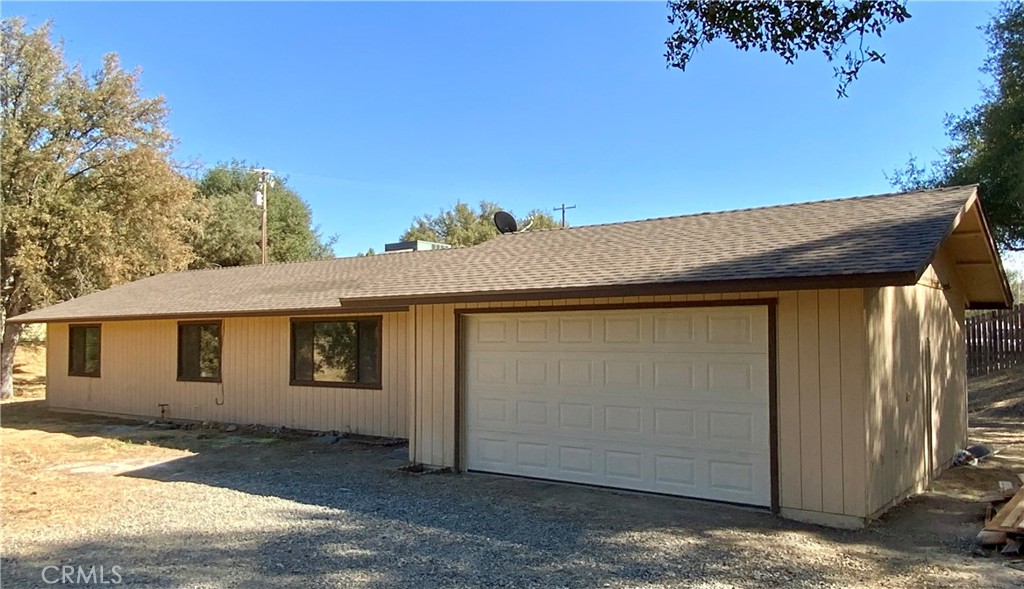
<point x="210" y="509"/>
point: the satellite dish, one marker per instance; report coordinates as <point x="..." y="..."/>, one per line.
<point x="505" y="222"/>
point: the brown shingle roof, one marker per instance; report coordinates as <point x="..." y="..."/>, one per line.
<point x="864" y="241"/>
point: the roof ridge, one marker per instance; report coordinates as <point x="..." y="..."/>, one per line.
<point x="757" y="208"/>
<point x="795" y="245"/>
<point x="538" y="231"/>
<point x="296" y="262"/>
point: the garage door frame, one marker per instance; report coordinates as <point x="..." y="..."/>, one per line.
<point x="770" y="303"/>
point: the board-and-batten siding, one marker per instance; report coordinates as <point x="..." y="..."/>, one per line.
<point x="821" y="356"/>
<point x="908" y="327"/>
<point x="138" y="367"/>
<point x="850" y="382"/>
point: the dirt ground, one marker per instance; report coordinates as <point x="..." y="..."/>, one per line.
<point x="85" y="489"/>
<point x="996" y="406"/>
<point x="30" y="371"/>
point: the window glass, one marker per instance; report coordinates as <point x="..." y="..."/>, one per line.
<point x="302" y="352"/>
<point x="335" y="350"/>
<point x="84" y="353"/>
<point x="199" y="351"/>
<point x="369" y="350"/>
<point x="338" y="352"/>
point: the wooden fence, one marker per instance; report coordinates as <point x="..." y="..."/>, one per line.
<point x="995" y="340"/>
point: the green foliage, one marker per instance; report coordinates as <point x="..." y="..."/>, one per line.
<point x="785" y="28"/>
<point x="230" y="234"/>
<point x="988" y="140"/>
<point x="90" y="195"/>
<point x="1016" y="280"/>
<point x="464" y="226"/>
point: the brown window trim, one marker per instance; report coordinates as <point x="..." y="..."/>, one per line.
<point x="99" y="369"/>
<point x="377" y="386"/>
<point x="220" y="337"/>
<point x="337" y="385"/>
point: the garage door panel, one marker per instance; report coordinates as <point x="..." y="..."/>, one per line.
<point x="575" y="330"/>
<point x="601" y="346"/>
<point x="627" y="419"/>
<point x="716" y="330"/>
<point x="574" y="372"/>
<point x="532" y="413"/>
<point x="490" y="413"/>
<point x="698" y="425"/>
<point x="652" y="375"/>
<point x="491" y="330"/>
<point x="723" y="476"/>
<point x="671" y="401"/>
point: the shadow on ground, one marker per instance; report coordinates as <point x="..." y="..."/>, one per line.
<point x="254" y="510"/>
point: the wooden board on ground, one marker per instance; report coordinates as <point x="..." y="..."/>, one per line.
<point x="1009" y="517"/>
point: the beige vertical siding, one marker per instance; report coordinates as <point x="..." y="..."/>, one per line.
<point x="821" y="349"/>
<point x="821" y="373"/>
<point x="903" y="322"/>
<point x="138" y="372"/>
<point x="850" y="383"/>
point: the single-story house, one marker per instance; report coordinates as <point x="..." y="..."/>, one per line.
<point x="807" y="358"/>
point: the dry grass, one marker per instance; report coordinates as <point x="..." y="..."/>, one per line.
<point x="30" y="371"/>
<point x="998" y="395"/>
<point x="45" y="473"/>
<point x="60" y="469"/>
<point x="996" y="408"/>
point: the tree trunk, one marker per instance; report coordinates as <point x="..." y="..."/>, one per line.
<point x="12" y="333"/>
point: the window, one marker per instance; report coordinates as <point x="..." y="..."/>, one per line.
<point x="84" y="350"/>
<point x="199" y="351"/>
<point x="337" y="353"/>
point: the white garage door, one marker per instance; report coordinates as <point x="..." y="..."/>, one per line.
<point x="669" y="400"/>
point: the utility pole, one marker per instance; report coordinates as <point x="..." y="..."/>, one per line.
<point x="564" y="208"/>
<point x="263" y="186"/>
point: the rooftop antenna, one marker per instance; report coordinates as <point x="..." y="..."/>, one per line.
<point x="505" y="222"/>
<point x="564" y="208"/>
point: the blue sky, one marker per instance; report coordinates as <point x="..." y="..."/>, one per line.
<point x="379" y="112"/>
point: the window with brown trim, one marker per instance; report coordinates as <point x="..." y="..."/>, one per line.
<point x="84" y="350"/>
<point x="199" y="345"/>
<point x="336" y="352"/>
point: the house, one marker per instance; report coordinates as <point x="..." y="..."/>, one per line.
<point x="806" y="358"/>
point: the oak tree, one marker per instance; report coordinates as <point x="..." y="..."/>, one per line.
<point x="464" y="226"/>
<point x="230" y="233"/>
<point x="90" y="194"/>
<point x="987" y="141"/>
<point x="785" y="28"/>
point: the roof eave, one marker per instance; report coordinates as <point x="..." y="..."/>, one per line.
<point x="381" y="308"/>
<point x="401" y="303"/>
<point x="993" y="250"/>
<point x="879" y="279"/>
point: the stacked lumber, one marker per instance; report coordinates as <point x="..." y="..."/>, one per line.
<point x="1004" y="522"/>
